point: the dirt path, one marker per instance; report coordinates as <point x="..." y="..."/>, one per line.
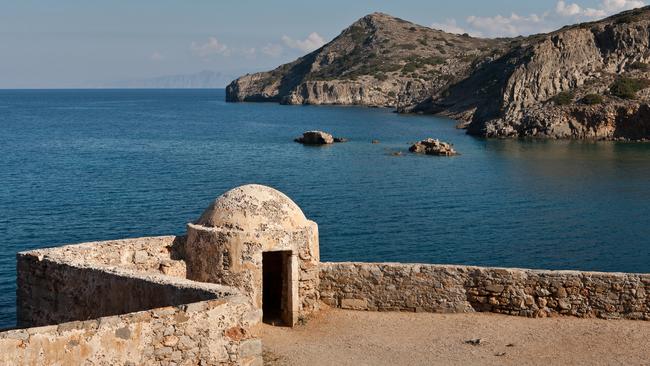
<point x="338" y="337"/>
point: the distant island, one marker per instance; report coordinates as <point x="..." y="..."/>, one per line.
<point x="585" y="81"/>
<point x="199" y="80"/>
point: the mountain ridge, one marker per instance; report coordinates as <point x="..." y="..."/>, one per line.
<point x="379" y="60"/>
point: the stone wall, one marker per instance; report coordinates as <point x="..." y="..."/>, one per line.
<point x="154" y="254"/>
<point x="212" y="332"/>
<point x="440" y="288"/>
<point x="51" y="292"/>
<point x="142" y="309"/>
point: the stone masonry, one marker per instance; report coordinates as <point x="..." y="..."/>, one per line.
<point x="523" y="292"/>
<point x="212" y="332"/>
<point x="226" y="244"/>
<point x="126" y="302"/>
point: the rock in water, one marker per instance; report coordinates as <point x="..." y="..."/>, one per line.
<point x="433" y="147"/>
<point x="315" y="138"/>
<point x="340" y="139"/>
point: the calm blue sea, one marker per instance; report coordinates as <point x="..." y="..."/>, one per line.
<point x="79" y="165"/>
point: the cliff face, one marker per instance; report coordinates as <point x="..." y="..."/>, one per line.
<point x="377" y="61"/>
<point x="556" y="85"/>
<point x="576" y="62"/>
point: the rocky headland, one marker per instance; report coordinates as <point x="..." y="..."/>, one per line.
<point x="379" y="60"/>
<point x="586" y="81"/>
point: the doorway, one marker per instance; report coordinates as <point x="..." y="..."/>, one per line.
<point x="275" y="287"/>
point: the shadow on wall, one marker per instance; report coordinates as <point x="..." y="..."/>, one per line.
<point x="51" y="292"/>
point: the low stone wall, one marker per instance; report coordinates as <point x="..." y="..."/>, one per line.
<point x="212" y="332"/>
<point x="441" y="288"/>
<point x="51" y="292"/>
<point x="141" y="314"/>
<point x="154" y="254"/>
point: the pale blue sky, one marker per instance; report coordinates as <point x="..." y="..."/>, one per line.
<point x="75" y="43"/>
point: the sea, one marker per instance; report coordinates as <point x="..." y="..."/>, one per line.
<point x="84" y="165"/>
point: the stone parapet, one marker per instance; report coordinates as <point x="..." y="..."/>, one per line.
<point x="448" y="288"/>
<point x="114" y="302"/>
<point x="211" y="332"/>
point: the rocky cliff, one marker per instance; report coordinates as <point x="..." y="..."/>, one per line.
<point x="562" y="84"/>
<point x="587" y="81"/>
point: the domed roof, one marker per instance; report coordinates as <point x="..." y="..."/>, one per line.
<point x="253" y="207"/>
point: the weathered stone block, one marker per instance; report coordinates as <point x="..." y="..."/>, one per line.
<point x="354" y="304"/>
<point x="249" y="348"/>
<point x="330" y="301"/>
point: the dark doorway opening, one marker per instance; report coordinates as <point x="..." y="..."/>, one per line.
<point x="274" y="287"/>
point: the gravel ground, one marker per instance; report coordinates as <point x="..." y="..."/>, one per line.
<point x="339" y="337"/>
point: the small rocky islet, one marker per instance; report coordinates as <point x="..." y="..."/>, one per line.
<point x="431" y="146"/>
<point x="428" y="146"/>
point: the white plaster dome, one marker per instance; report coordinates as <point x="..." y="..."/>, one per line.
<point x="253" y="207"/>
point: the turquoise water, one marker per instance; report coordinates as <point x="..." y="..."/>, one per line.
<point x="105" y="164"/>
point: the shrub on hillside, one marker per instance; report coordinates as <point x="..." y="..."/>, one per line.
<point x="592" y="99"/>
<point x="409" y="67"/>
<point x="639" y="66"/>
<point x="627" y="88"/>
<point x="381" y="76"/>
<point x="433" y="60"/>
<point x="563" y="98"/>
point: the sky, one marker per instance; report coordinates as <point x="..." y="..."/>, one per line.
<point x="81" y="43"/>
